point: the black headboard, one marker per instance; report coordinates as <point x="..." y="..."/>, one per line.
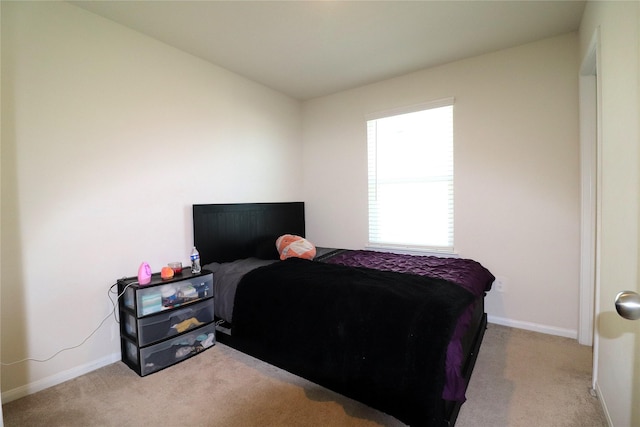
<point x="226" y="232"/>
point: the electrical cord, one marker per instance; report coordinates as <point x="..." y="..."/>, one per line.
<point x="113" y="303"/>
<point x="113" y="312"/>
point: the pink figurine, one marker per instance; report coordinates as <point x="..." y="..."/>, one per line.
<point x="144" y="274"/>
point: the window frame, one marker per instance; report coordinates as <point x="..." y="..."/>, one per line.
<point x="447" y="249"/>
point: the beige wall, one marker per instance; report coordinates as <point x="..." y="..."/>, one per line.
<point x="1" y="107"/>
<point x="108" y="137"/>
<point x="516" y="171"/>
<point x="618" y="355"/>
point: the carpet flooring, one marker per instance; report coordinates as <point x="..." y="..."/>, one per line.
<point x="521" y="379"/>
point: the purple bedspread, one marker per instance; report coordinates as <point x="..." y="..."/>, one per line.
<point x="466" y="273"/>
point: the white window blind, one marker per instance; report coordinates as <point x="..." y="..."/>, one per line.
<point x="411" y="177"/>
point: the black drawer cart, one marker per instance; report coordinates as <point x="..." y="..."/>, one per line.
<point x="166" y="321"/>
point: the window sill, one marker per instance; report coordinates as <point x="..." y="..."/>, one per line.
<point x="412" y="251"/>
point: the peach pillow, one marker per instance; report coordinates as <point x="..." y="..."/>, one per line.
<point x="290" y="245"/>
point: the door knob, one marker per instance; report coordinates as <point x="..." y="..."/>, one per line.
<point x="628" y="305"/>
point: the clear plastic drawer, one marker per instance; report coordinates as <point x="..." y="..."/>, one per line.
<point x="150" y="359"/>
<point x="153" y="299"/>
<point x="164" y="325"/>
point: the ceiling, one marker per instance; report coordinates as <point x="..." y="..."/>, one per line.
<point x="307" y="49"/>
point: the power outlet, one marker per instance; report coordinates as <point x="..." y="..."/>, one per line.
<point x="500" y="284"/>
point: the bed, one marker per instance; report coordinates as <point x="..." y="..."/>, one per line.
<point x="399" y="333"/>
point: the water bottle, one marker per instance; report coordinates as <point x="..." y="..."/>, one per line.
<point x="195" y="261"/>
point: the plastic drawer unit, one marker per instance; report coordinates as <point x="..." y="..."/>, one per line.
<point x="166" y="321"/>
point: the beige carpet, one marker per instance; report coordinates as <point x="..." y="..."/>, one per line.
<point x="521" y="379"/>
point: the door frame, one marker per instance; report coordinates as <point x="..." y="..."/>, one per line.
<point x="591" y="204"/>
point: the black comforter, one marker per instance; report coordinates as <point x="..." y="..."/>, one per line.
<point x="376" y="336"/>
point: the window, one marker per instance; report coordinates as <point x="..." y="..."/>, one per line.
<point x="411" y="177"/>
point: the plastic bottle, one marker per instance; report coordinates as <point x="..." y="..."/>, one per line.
<point x="195" y="261"/>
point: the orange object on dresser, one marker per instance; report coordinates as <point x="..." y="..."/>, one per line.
<point x="166" y="273"/>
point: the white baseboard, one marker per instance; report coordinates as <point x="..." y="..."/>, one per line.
<point x="58" y="378"/>
<point x="535" y="327"/>
<point x="603" y="403"/>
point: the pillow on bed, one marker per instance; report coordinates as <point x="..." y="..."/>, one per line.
<point x="290" y="245"/>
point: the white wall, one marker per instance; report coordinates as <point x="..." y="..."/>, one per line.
<point x="516" y="171"/>
<point x="108" y="137"/>
<point x="618" y="355"/>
